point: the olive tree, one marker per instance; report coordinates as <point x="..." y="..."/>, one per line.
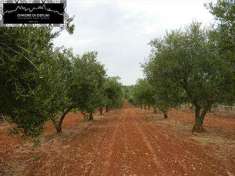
<point x="143" y="94"/>
<point x="87" y="83"/>
<point x="57" y="77"/>
<point x="22" y="52"/>
<point x="113" y="93"/>
<point x="187" y="64"/>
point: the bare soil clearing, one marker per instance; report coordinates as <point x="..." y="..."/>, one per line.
<point x="124" y="142"/>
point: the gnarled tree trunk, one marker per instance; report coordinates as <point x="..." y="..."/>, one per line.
<point x="199" y="119"/>
<point x="101" y="110"/>
<point x="90" y="116"/>
<point x="165" y="115"/>
<point x="58" y="125"/>
<point x="107" y="109"/>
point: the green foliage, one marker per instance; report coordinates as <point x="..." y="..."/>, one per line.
<point x="88" y="81"/>
<point x="58" y="77"/>
<point x="143" y="93"/>
<point x="128" y="91"/>
<point x="224" y="33"/>
<point x="24" y="55"/>
<point x="22" y="52"/>
<point x="113" y="93"/>
<point x="56" y="84"/>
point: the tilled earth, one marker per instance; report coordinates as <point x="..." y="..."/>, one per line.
<point x="126" y="142"/>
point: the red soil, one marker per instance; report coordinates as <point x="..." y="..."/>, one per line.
<point x="124" y="142"/>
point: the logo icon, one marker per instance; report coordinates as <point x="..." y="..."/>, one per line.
<point x="33" y="13"/>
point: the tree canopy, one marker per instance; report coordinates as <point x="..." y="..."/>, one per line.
<point x="88" y="82"/>
<point x="113" y="93"/>
<point x="22" y="53"/>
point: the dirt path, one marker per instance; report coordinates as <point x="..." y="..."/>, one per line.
<point x="121" y="143"/>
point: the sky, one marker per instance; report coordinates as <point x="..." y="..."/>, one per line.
<point x="120" y="30"/>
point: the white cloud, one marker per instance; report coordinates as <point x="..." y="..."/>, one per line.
<point x="121" y="29"/>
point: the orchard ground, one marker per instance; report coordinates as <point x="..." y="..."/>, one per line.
<point x="128" y="141"/>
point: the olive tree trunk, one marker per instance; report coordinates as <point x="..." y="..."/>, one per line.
<point x="1" y="117"/>
<point x="199" y="119"/>
<point x="90" y="118"/>
<point x="165" y="115"/>
<point x="101" y="110"/>
<point x="107" y="109"/>
<point x="58" y="125"/>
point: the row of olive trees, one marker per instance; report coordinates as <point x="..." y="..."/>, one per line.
<point x="74" y="82"/>
<point x="145" y="96"/>
<point x="40" y="83"/>
<point x="194" y="65"/>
